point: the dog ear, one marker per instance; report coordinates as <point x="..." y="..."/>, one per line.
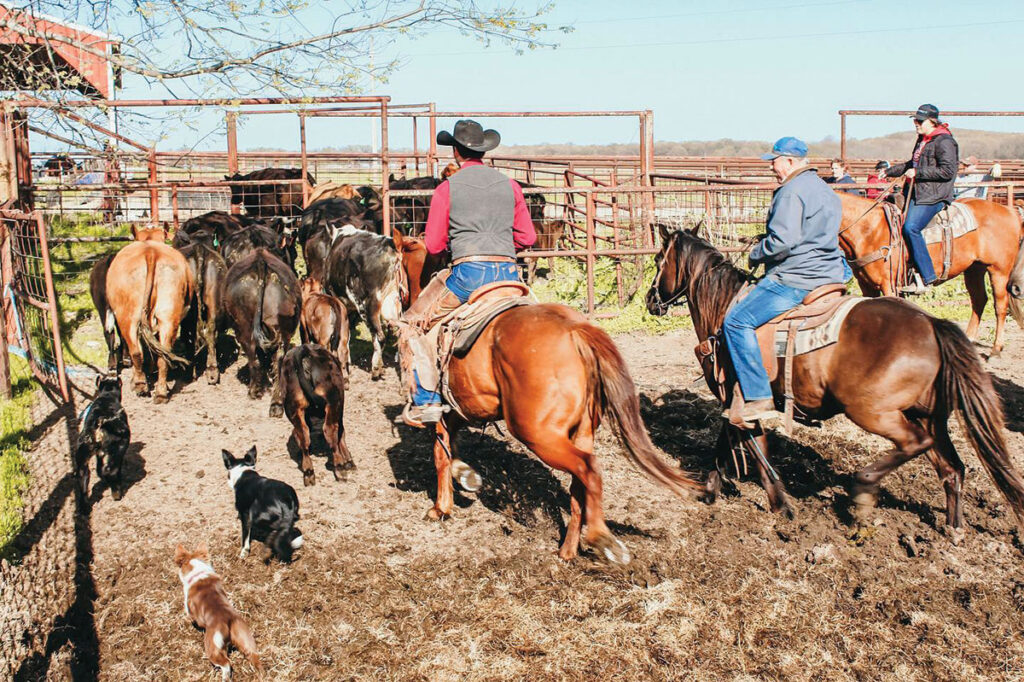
<point x="99" y="379"/>
<point x="228" y="458"/>
<point x="180" y="554"/>
<point x="202" y="551"/>
<point x="250" y="456"/>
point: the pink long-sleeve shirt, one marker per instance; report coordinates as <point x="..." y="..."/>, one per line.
<point x="436" y="233"/>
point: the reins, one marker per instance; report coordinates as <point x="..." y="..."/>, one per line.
<point x="874" y="205"/>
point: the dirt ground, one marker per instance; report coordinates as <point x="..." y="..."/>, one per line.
<point x="723" y="592"/>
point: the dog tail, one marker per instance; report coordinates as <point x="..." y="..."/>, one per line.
<point x="241" y="637"/>
<point x="284" y="538"/>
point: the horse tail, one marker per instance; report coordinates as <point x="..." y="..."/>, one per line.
<point x="146" y="334"/>
<point x="613" y="389"/>
<point x="261" y="333"/>
<point x="964" y="384"/>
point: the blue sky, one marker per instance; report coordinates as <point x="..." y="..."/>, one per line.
<point x="743" y="69"/>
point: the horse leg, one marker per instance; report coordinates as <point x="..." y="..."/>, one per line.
<point x="951" y="470"/>
<point x="910" y="440"/>
<point x="974" y="278"/>
<point x="577" y="503"/>
<point x="1001" y="297"/>
<point x="334" y="434"/>
<point x="445" y="499"/>
<point x="778" y="498"/>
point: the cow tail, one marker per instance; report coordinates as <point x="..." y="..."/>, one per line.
<point x="146" y="334"/>
<point x="1015" y="285"/>
<point x="260" y="333"/>
<point x="308" y="389"/>
<point x="335" y="339"/>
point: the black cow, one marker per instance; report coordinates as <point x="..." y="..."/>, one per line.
<point x="322" y="211"/>
<point x="98" y="291"/>
<point x="267" y="201"/>
<point x="260" y="295"/>
<point x="364" y="270"/>
<point x="410" y="213"/>
<point x="104" y="432"/>
<point x="208" y="269"/>
<point x="212" y="228"/>
<point x="276" y="239"/>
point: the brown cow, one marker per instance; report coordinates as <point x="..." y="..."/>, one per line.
<point x="149" y="289"/>
<point x="153" y="233"/>
<point x="325" y="321"/>
<point x="329" y="190"/>
<point x="419" y="265"/>
<point x="549" y="233"/>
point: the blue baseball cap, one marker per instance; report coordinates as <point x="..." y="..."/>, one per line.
<point x="786" y="146"/>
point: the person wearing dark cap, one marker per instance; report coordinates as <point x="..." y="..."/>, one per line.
<point x="482" y="217"/>
<point x="800" y="251"/>
<point x="876" y="177"/>
<point x="932" y="169"/>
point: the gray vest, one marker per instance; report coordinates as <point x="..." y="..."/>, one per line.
<point x="482" y="213"/>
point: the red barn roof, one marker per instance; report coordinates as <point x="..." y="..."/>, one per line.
<point x="77" y="58"/>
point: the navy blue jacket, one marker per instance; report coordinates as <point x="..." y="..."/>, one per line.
<point x="801" y="248"/>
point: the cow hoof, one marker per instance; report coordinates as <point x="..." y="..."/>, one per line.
<point x="141" y="389"/>
<point x="469" y="480"/>
<point x="713" y="488"/>
<point x="309" y="479"/>
<point x="213" y="378"/>
<point x="341" y="471"/>
<point x="116" y="494"/>
<point x="276" y="410"/>
<point x="160" y="398"/>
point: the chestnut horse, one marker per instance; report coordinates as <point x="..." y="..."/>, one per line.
<point x="992" y="248"/>
<point x="895" y="371"/>
<point x="551" y="376"/>
<point x="149" y="288"/>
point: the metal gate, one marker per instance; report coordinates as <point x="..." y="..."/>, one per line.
<point x="31" y="315"/>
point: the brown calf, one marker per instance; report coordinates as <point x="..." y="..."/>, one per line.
<point x="311" y="379"/>
<point x="324" y="320"/>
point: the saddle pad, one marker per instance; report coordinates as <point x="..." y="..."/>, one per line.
<point x="956" y="216"/>
<point x="808" y="340"/>
<point x="468" y="327"/>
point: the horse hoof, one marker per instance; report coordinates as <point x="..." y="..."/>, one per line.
<point x="956" y="535"/>
<point x="435" y="514"/>
<point x="467" y="477"/>
<point x="613" y="550"/>
<point x="276" y="410"/>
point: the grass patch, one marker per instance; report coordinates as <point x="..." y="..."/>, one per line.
<point x="15" y="421"/>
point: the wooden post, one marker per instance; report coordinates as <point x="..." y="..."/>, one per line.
<point x="22" y="159"/>
<point x="5" y="276"/>
<point x="231" y="119"/>
<point x="154" y="193"/>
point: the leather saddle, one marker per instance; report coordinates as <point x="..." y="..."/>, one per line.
<point x="815" y="310"/>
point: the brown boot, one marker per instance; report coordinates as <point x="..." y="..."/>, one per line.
<point x="751" y="413"/>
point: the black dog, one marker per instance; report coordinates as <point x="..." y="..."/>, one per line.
<point x="104" y="433"/>
<point x="266" y="508"/>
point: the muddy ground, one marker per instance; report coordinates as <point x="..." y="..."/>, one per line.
<point x="723" y="592"/>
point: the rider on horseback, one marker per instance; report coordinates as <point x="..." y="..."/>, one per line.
<point x="482" y="216"/>
<point x="932" y="170"/>
<point x="800" y="252"/>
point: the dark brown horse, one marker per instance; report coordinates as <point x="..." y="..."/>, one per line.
<point x="895" y="371"/>
<point x="552" y="376"/>
<point x="991" y="248"/>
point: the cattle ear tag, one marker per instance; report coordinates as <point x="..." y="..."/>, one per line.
<point x="216" y="242"/>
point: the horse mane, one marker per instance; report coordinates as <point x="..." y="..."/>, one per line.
<point x="711" y="280"/>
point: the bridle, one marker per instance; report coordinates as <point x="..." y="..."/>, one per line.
<point x="663" y="305"/>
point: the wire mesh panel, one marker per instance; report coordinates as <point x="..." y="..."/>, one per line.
<point x="30" y="299"/>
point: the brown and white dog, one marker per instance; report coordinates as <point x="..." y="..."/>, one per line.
<point x="324" y="321"/>
<point x="206" y="603"/>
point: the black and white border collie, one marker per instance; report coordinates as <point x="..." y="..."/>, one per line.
<point x="267" y="508"/>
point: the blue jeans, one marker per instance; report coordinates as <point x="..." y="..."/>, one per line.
<point x="918" y="217"/>
<point x="767" y="300"/>
<point x="468" y="277"/>
<point x="464" y="279"/>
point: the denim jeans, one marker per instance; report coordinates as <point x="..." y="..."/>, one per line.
<point x="470" y="276"/>
<point x="918" y="217"/>
<point x="464" y="279"/>
<point x="767" y="300"/>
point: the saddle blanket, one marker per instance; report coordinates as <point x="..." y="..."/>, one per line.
<point x="808" y="340"/>
<point x="957" y="217"/>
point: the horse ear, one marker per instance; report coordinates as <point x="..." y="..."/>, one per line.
<point x="664" y="231"/>
<point x="397" y="237"/>
<point x="135" y="232"/>
<point x="696" y="228"/>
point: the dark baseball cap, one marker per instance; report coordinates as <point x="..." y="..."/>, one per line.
<point x="925" y="112"/>
<point x="786" y="146"/>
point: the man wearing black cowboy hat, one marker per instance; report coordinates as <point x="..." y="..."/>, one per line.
<point x="932" y="169"/>
<point x="482" y="217"/>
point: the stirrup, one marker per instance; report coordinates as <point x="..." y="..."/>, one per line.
<point x="917" y="288"/>
<point x="418" y="416"/>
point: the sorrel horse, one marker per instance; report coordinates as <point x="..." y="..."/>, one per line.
<point x="551" y="376"/>
<point x="992" y="248"/>
<point x="895" y="371"/>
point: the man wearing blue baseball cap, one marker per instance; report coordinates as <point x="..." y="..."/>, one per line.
<point x="800" y="251"/>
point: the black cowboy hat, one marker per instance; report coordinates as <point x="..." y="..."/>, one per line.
<point x="471" y="135"/>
